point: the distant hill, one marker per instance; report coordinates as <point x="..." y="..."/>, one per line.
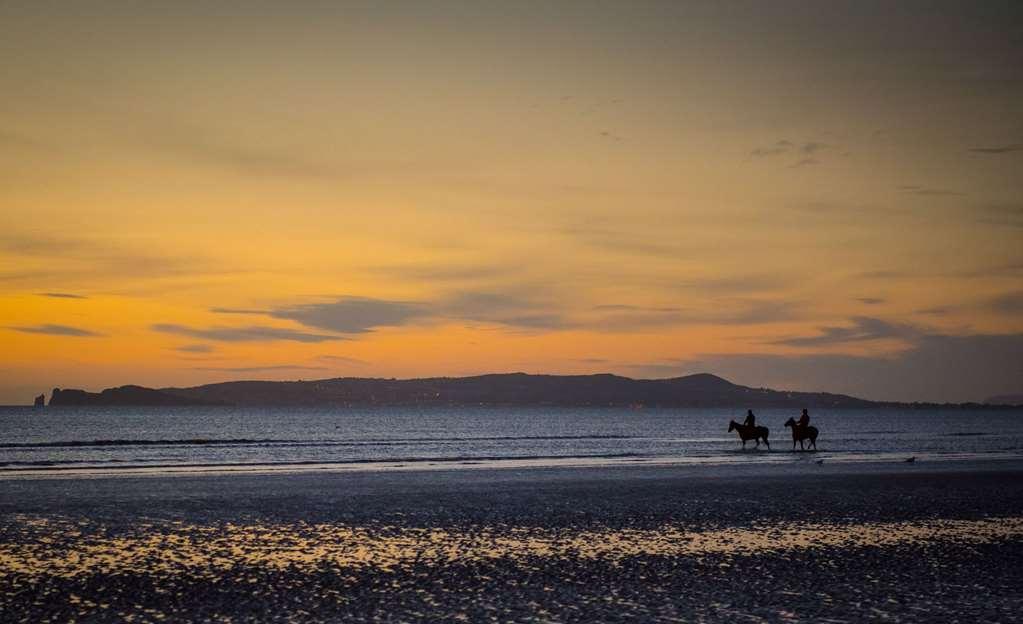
<point x="702" y="390"/>
<point x="125" y="395"/>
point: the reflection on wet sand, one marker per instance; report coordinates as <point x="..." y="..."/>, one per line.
<point x="65" y="548"/>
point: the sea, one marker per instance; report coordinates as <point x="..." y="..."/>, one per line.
<point x="123" y="440"/>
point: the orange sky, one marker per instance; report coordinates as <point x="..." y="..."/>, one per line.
<point x="787" y="194"/>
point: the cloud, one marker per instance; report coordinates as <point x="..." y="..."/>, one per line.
<point x="359" y="315"/>
<point x="352" y="315"/>
<point x="340" y="359"/>
<point x="56" y="330"/>
<point x="883" y="274"/>
<point x="195" y="348"/>
<point x="611" y="238"/>
<point x="938" y="368"/>
<point x="726" y="312"/>
<point x="237" y="311"/>
<point x="259" y="369"/>
<point x="1009" y="303"/>
<point x="863" y="328"/>
<point x="57" y="295"/>
<point x="1010" y="215"/>
<point x="66" y="259"/>
<point x="807" y="152"/>
<point x="242" y="334"/>
<point x="14" y="140"/>
<point x="624" y="307"/>
<point x="459" y="273"/>
<point x="776" y="149"/>
<point x="871" y="300"/>
<point x="748" y="283"/>
<point x="914" y="189"/>
<point x="507" y="309"/>
<point x="999" y="149"/>
<point x="201" y="147"/>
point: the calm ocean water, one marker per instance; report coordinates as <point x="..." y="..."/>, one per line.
<point x="113" y="439"/>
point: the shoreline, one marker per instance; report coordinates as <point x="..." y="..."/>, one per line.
<point x="750" y="458"/>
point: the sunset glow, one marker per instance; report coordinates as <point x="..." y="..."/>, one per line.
<point x="818" y="199"/>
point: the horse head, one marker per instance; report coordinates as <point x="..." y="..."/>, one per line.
<point x="731" y="426"/>
<point x="790" y="423"/>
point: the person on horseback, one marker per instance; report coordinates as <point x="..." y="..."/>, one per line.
<point x="751" y="420"/>
<point x="804" y="419"/>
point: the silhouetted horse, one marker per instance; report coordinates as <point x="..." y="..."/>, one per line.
<point x="750" y="433"/>
<point x="799" y="434"/>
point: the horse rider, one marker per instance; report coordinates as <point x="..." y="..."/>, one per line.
<point x="804" y="420"/>
<point x="751" y="420"/>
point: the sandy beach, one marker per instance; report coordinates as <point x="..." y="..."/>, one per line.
<point x="847" y="543"/>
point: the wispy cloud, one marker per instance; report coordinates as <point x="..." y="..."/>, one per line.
<point x="16" y="140"/>
<point x="871" y="300"/>
<point x="807" y="153"/>
<point x="237" y="311"/>
<point x="933" y="368"/>
<point x="611" y="238"/>
<point x="1009" y="303"/>
<point x="57" y="295"/>
<point x="195" y="348"/>
<point x="80" y="260"/>
<point x="915" y="189"/>
<point x="512" y="309"/>
<point x="352" y="315"/>
<point x="206" y="148"/>
<point x="862" y="328"/>
<point x="259" y="369"/>
<point x="56" y="330"/>
<point x="621" y="317"/>
<point x="242" y="334"/>
<point x="462" y="272"/>
<point x="998" y="149"/>
<point x="775" y="149"/>
<point x="340" y="359"/>
<point x="1010" y="215"/>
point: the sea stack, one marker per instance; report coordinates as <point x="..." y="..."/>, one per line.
<point x="40" y="401"/>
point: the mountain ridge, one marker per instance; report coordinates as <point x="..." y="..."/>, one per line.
<point x="494" y="389"/>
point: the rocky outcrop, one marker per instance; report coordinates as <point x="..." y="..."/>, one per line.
<point x="40" y="400"/>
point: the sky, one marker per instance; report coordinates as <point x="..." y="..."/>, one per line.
<point x="807" y="195"/>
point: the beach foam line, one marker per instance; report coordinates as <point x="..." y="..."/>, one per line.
<point x="61" y="548"/>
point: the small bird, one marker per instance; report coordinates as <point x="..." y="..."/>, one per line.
<point x="911" y="460"/>
<point x="820" y="461"/>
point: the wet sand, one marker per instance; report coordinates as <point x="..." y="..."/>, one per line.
<point x="892" y="542"/>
